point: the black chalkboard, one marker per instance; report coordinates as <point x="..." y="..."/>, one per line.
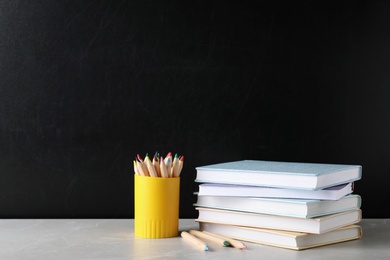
<point x="86" y="85"/>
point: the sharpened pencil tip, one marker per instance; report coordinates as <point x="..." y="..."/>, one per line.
<point x="206" y="248"/>
<point x="226" y="243"/>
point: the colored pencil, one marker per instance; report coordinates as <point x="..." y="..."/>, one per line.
<point x="142" y="166"/>
<point x="232" y="242"/>
<point x="149" y="165"/>
<point x="181" y="163"/>
<point x="168" y="162"/>
<point x="163" y="168"/>
<point x="175" y="166"/>
<point x="201" y="235"/>
<point x="156" y="164"/>
<point x="194" y="240"/>
<point x="135" y="167"/>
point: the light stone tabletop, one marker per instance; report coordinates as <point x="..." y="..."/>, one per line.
<point x="114" y="239"/>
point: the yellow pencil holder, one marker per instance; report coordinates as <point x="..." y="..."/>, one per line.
<point x="156" y="206"/>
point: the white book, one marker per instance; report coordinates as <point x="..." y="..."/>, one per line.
<point x="284" y="239"/>
<point x="331" y="193"/>
<point x="316" y="225"/>
<point x="294" y="175"/>
<point x="299" y="208"/>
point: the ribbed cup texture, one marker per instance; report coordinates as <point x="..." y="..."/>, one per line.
<point x="156" y="228"/>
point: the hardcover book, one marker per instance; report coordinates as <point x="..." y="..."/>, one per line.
<point x="299" y="208"/>
<point x="284" y="239"/>
<point x="294" y="175"/>
<point x="317" y="225"/>
<point x="331" y="193"/>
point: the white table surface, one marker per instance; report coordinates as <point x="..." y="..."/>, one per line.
<point x="114" y="239"/>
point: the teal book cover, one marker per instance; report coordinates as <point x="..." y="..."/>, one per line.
<point x="299" y="175"/>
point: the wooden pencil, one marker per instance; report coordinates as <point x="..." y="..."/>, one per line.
<point x="181" y="162"/>
<point x="149" y="165"/>
<point x="194" y="240"/>
<point x="175" y="166"/>
<point x="163" y="168"/>
<point x="232" y="242"/>
<point x="201" y="235"/>
<point x="142" y="165"/>
<point x="168" y="163"/>
<point x="140" y="170"/>
<point x="135" y="167"/>
<point x="156" y="164"/>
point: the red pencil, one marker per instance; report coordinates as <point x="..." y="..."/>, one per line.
<point x="181" y="162"/>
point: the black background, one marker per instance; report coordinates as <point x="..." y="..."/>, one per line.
<point x="87" y="85"/>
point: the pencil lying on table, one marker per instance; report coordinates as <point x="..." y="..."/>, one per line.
<point x="232" y="242"/>
<point x="194" y="240"/>
<point x="201" y="235"/>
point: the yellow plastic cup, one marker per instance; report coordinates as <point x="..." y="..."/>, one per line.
<point x="156" y="206"/>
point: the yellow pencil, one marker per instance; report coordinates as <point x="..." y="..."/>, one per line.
<point x="232" y="242"/>
<point x="194" y="240"/>
<point x="149" y="165"/>
<point x="201" y="235"/>
<point x="135" y="168"/>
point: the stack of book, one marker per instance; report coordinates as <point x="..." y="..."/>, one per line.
<point x="292" y="205"/>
